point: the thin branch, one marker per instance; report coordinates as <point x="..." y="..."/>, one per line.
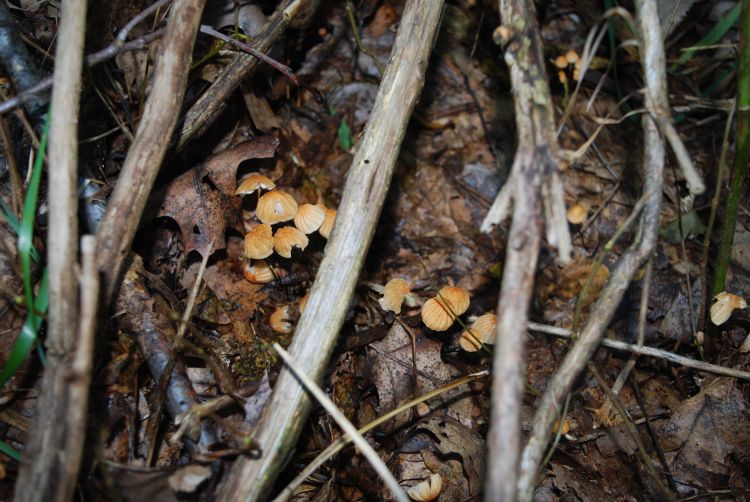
<point x="147" y="152"/>
<point x="650" y="352"/>
<point x="366" y="187"/>
<point x="360" y="442"/>
<point x="50" y="467"/>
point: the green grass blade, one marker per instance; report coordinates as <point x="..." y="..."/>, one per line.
<point x="15" y="225"/>
<point x="713" y="36"/>
<point x="10" y="451"/>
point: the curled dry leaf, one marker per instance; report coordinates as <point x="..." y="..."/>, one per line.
<point x="481" y="331"/>
<point x="393" y="295"/>
<point x="259" y="272"/>
<point x="255" y="182"/>
<point x="439" y="313"/>
<point x="280" y="321"/>
<point x="309" y="217"/>
<point x="287" y="238"/>
<point x="275" y="207"/>
<point x="327" y="226"/>
<point x="259" y="242"/>
<point x="426" y="490"/>
<point x="724" y="305"/>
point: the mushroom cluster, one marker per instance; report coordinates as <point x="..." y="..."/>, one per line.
<point x="276" y="207"/>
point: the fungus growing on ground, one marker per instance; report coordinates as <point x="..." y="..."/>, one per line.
<point x="275" y="207"/>
<point x="481" y="331"/>
<point x="259" y="242"/>
<point x="426" y="490"/>
<point x="327" y="226"/>
<point x="724" y="305"/>
<point x="259" y="272"/>
<point x="287" y="238"/>
<point x="254" y="182"/>
<point x="576" y="214"/>
<point x="439" y="313"/>
<point x="280" y="321"/>
<point x="393" y="295"/>
<point x="309" y="217"/>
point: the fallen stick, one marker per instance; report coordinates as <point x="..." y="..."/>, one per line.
<point x="49" y="469"/>
<point x="536" y="192"/>
<point x="366" y="187"/>
<point x="654" y="69"/>
<point x="125" y="206"/>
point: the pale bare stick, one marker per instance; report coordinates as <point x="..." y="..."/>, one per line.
<point x="49" y="469"/>
<point x="364" y="447"/>
<point x="363" y="197"/>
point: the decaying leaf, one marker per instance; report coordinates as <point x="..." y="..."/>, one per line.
<point x="201" y="200"/>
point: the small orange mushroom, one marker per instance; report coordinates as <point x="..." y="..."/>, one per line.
<point x="254" y="182"/>
<point x="276" y="206"/>
<point x="327" y="226"/>
<point x="259" y="272"/>
<point x="577" y="214"/>
<point x="393" y="295"/>
<point x="309" y="217"/>
<point x="287" y="238"/>
<point x="280" y="321"/>
<point x="259" y="242"/>
<point x="426" y="490"/>
<point x="481" y="331"/>
<point x="439" y="313"/>
<point x="725" y="304"/>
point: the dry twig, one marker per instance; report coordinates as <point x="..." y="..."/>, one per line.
<point x="362" y="200"/>
<point x="50" y="467"/>
<point x="653" y="63"/>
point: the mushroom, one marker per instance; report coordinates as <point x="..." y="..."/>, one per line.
<point x="561" y="62"/>
<point x="276" y="206"/>
<point x="259" y="272"/>
<point x="327" y="226"/>
<point x="439" y="313"/>
<point x="481" y="331"/>
<point x="288" y="237"/>
<point x="309" y="217"/>
<point x="254" y="182"/>
<point x="576" y="214"/>
<point x="725" y="304"/>
<point x="393" y="295"/>
<point x="259" y="242"/>
<point x="426" y="490"/>
<point x="280" y="321"/>
<point x="571" y="56"/>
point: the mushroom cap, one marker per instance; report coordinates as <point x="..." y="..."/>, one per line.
<point x="426" y="490"/>
<point x="309" y="217"/>
<point x="561" y="62"/>
<point x="254" y="182"/>
<point x="280" y="321"/>
<point x="577" y="214"/>
<point x="259" y="272"/>
<point x="724" y="305"/>
<point x="439" y="313"/>
<point x="571" y="56"/>
<point x="259" y="242"/>
<point x="482" y="330"/>
<point x="327" y="226"/>
<point x="393" y="295"/>
<point x="288" y="237"/>
<point x="276" y="206"/>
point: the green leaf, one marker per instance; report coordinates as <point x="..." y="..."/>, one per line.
<point x="345" y="135"/>
<point x="717" y="32"/>
<point x="10" y="451"/>
<point x="692" y="226"/>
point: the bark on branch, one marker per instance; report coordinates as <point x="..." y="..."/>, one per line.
<point x="366" y="187"/>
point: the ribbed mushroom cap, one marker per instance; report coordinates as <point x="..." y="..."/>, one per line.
<point x="254" y="182"/>
<point x="258" y="272"/>
<point x="439" y="313"/>
<point x="259" y="242"/>
<point x="276" y="206"/>
<point x="427" y="490"/>
<point x="327" y="226"/>
<point x="280" y="320"/>
<point x="309" y="217"/>
<point x="481" y="331"/>
<point x="393" y="295"/>
<point x="287" y="238"/>
<point x="724" y="305"/>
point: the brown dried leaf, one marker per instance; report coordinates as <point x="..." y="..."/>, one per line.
<point x="201" y="200"/>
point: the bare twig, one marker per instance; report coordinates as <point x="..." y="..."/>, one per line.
<point x="214" y="99"/>
<point x="653" y="64"/>
<point x="362" y="200"/>
<point x="364" y="447"/>
<point x="536" y="191"/>
<point x="50" y="467"/>
<point x="147" y="152"/>
<point x="650" y="352"/>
